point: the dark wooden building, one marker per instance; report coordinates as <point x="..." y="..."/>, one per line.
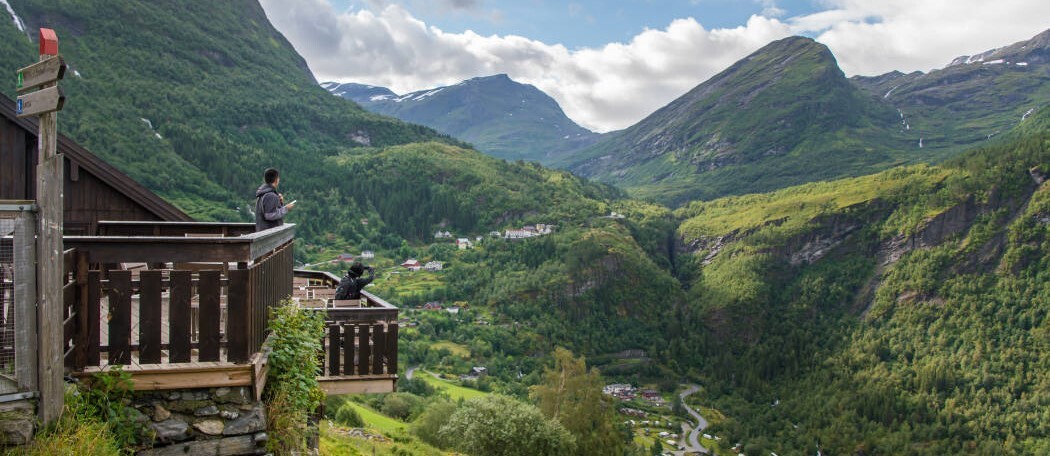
<point x="94" y="190"/>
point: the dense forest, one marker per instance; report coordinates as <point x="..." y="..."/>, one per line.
<point x="899" y="313"/>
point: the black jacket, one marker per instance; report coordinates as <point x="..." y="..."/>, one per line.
<point x="269" y="212"/>
<point x="350" y="286"/>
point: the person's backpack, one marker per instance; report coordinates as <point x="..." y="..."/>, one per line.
<point x="347" y="287"/>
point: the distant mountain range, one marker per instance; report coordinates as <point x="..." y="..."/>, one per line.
<point x="499" y="116"/>
<point x="782" y="116"/>
<point x="974" y="98"/>
<point x="786" y="115"/>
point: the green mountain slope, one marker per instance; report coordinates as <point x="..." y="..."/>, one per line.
<point x="501" y="117"/>
<point x="972" y="99"/>
<point x="783" y="115"/>
<point x="195" y="99"/>
<point x="898" y="313"/>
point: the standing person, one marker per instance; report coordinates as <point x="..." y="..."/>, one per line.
<point x="269" y="205"/>
<point x="351" y="285"/>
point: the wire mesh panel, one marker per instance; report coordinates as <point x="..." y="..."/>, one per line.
<point x="17" y="297"/>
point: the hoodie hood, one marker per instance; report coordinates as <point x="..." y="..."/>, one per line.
<point x="264" y="189"/>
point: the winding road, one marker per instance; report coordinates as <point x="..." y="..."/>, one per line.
<point x="701" y="423"/>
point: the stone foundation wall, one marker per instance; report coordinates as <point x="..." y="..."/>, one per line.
<point x="17" y="419"/>
<point x="214" y="421"/>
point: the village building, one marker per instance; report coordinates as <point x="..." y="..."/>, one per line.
<point x="518" y="234"/>
<point x="442" y="235"/>
<point x="620" y="391"/>
<point x="412" y="264"/>
<point x="475" y="373"/>
<point x="464" y="243"/>
<point x="434" y="266"/>
<point x="368" y="255"/>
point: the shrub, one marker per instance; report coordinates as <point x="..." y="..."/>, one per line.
<point x="292" y="392"/>
<point x="79" y="431"/>
<point x="347" y="416"/>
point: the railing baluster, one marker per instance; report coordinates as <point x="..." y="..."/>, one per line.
<point x="378" y="348"/>
<point x="179" y="315"/>
<point x="391" y="348"/>
<point x="334" y="342"/>
<point x="364" y="353"/>
<point x="81" y="341"/>
<point x="119" y="317"/>
<point x="210" y="289"/>
<point x="149" y="317"/>
<point x="238" y="318"/>
<point x="94" y="320"/>
<point x="349" y="353"/>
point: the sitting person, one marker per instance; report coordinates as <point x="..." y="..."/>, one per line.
<point x="352" y="283"/>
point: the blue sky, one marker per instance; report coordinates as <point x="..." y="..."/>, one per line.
<point x="584" y="23"/>
<point x="610" y="64"/>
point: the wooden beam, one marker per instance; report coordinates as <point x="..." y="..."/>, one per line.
<point x="153" y="377"/>
<point x="358" y="384"/>
<point x="26" y="297"/>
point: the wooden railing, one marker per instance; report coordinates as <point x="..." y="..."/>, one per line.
<point x="359" y="341"/>
<point x="198" y="276"/>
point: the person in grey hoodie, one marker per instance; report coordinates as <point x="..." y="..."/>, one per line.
<point x="269" y="205"/>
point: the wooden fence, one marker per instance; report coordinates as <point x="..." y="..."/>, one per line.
<point x="173" y="314"/>
<point x="360" y="340"/>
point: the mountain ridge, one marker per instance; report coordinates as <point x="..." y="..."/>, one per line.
<point x="760" y="109"/>
<point x="501" y="117"/>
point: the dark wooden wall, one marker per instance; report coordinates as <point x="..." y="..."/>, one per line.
<point x="88" y="198"/>
<point x="14" y="144"/>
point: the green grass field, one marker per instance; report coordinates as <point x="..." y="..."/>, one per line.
<point x="336" y="441"/>
<point x="459" y="350"/>
<point x="405" y="283"/>
<point x="378" y="421"/>
<point x="454" y="391"/>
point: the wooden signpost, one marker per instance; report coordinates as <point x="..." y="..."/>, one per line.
<point x="46" y="102"/>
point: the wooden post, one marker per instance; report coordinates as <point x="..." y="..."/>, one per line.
<point x="50" y="182"/>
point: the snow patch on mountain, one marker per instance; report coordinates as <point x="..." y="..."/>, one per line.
<point x="427" y="94"/>
<point x="14" y="17"/>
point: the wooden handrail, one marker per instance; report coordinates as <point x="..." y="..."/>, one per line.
<point x="376" y="310"/>
<point x="140" y="228"/>
<point x="157" y="249"/>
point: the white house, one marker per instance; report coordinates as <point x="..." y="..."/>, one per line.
<point x="368" y="254"/>
<point x="464" y="243"/>
<point x="434" y="266"/>
<point x="518" y="234"/>
<point x="442" y="235"/>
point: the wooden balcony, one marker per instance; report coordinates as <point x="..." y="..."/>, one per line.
<point x="185" y="305"/>
<point x="178" y="305"/>
<point x="360" y="337"/>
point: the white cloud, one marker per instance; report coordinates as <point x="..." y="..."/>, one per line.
<point x="616" y="85"/>
<point x="603" y="89"/>
<point x="907" y="35"/>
